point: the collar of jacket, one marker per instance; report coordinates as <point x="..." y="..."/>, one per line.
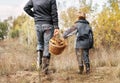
<point x="82" y="21"/>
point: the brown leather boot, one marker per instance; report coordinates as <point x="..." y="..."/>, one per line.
<point x="39" y="59"/>
<point x="81" y="68"/>
<point x="87" y="68"/>
<point x="45" y="64"/>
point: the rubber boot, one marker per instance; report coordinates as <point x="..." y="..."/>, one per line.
<point x="39" y="59"/>
<point x="87" y="68"/>
<point x="45" y="64"/>
<point x="81" y="68"/>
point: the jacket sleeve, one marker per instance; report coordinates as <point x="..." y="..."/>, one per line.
<point x="54" y="13"/>
<point x="91" y="39"/>
<point x="28" y="8"/>
<point x="70" y="32"/>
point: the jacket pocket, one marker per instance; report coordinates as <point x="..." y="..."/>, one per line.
<point x="83" y="37"/>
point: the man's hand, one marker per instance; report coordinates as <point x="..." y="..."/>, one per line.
<point x="56" y="32"/>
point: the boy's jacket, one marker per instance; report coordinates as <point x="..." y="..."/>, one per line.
<point x="84" y="34"/>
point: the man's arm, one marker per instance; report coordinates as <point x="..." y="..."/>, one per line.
<point x="54" y="14"/>
<point x="28" y="8"/>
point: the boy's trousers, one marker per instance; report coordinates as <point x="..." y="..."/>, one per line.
<point x="82" y="56"/>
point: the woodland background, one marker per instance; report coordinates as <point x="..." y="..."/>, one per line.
<point x="18" y="45"/>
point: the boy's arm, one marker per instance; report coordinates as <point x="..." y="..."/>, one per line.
<point x="70" y="31"/>
<point x="91" y="39"/>
<point x="28" y="7"/>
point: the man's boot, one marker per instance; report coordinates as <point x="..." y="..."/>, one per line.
<point x="87" y="68"/>
<point x="39" y="59"/>
<point x="81" y="68"/>
<point x="45" y="64"/>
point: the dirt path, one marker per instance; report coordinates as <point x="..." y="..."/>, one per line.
<point x="97" y="75"/>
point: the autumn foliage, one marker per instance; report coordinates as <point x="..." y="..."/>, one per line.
<point x="107" y="26"/>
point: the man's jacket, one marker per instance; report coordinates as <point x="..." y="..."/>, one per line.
<point x="43" y="11"/>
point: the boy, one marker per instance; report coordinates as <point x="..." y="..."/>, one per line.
<point x="84" y="41"/>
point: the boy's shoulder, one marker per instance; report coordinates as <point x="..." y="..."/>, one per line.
<point x="82" y="21"/>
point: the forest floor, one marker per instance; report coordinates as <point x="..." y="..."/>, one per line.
<point x="17" y="65"/>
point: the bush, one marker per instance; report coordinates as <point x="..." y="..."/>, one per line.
<point x="107" y="30"/>
<point x="14" y="33"/>
<point x="3" y="30"/>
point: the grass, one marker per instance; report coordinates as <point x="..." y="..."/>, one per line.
<point x="116" y="73"/>
<point x="101" y="58"/>
<point x="65" y="62"/>
<point x="13" y="59"/>
<point x="105" y="58"/>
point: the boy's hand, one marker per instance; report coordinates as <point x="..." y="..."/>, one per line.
<point x="65" y="37"/>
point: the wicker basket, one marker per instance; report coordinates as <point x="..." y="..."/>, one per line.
<point x="56" y="45"/>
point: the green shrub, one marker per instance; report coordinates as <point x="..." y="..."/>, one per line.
<point x="14" y="33"/>
<point x="3" y="30"/>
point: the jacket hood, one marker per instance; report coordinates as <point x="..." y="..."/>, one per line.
<point x="82" y="21"/>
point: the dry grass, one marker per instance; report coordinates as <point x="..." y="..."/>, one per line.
<point x="14" y="57"/>
<point x="116" y="73"/>
<point x="102" y="58"/>
<point x="65" y="62"/>
<point x="105" y="58"/>
<point x="12" y="63"/>
<point x="104" y="64"/>
<point x="110" y="59"/>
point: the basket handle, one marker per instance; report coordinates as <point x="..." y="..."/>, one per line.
<point x="59" y="36"/>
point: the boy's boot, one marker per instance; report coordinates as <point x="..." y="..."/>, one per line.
<point x="87" y="68"/>
<point x="81" y="68"/>
<point x="39" y="59"/>
<point x="45" y="64"/>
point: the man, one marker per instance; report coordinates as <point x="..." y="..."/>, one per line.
<point x="45" y="16"/>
